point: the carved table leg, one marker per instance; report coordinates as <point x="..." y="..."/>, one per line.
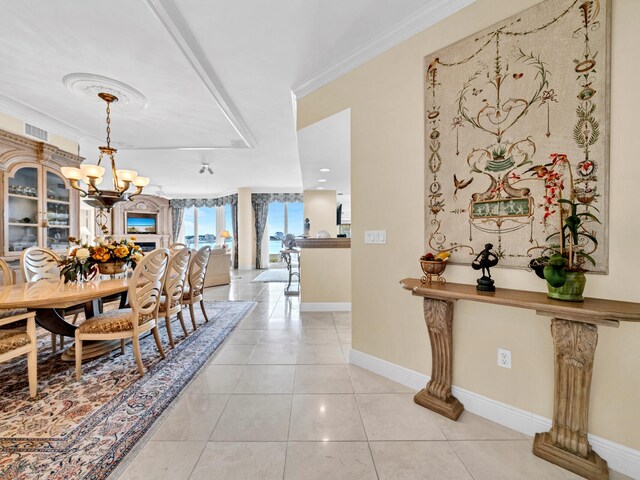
<point x="566" y="444"/>
<point x="437" y="395"/>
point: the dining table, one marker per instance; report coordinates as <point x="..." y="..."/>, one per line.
<point x="52" y="299"/>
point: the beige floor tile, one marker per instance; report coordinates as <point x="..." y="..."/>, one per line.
<point x="279" y="336"/>
<point x="283" y="323"/>
<point x="397" y="417"/>
<point x="307" y="321"/>
<point x="472" y="427"/>
<point x="193" y="418"/>
<point x="342" y="319"/>
<point x="241" y="461"/>
<point x="424" y="460"/>
<point x="329" y="460"/>
<point x="266" y="379"/>
<point x="217" y="379"/>
<point x="320" y="354"/>
<point x="325" y="418"/>
<point x="344" y="334"/>
<point x="319" y="336"/>
<point x="502" y="460"/>
<point x="164" y="461"/>
<point x="322" y="379"/>
<point x="254" y="418"/>
<point x="244" y="337"/>
<point x="234" y="355"/>
<point x="365" y="381"/>
<point x="274" y="354"/>
<point x="257" y="322"/>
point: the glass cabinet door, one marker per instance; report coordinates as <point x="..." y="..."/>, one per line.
<point x="57" y="212"/>
<point x="22" y="209"/>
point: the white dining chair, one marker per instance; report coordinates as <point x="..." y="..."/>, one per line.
<point x="174" y="285"/>
<point x="197" y="272"/>
<point x="21" y="339"/>
<point x="38" y="263"/>
<point x="145" y="289"/>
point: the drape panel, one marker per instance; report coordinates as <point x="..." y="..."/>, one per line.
<point x="260" y="203"/>
<point x="177" y="217"/>
<point x="234" y="221"/>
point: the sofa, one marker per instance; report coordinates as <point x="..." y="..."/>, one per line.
<point x="218" y="269"/>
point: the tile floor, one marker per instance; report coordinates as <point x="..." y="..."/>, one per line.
<point x="280" y="401"/>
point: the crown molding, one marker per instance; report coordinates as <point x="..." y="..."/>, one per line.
<point x="35" y="117"/>
<point x="432" y="13"/>
<point x="175" y="24"/>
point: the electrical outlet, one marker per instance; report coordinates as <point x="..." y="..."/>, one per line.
<point x="504" y="358"/>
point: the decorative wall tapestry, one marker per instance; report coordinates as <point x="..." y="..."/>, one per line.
<point x="498" y="106"/>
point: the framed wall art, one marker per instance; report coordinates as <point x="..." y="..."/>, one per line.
<point x="516" y="118"/>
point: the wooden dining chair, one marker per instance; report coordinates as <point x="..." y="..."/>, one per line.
<point x="194" y="293"/>
<point x="174" y="285"/>
<point x="145" y="289"/>
<point x="38" y="263"/>
<point x="177" y="246"/>
<point x="21" y="339"/>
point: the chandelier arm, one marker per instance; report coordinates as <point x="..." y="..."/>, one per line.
<point x="74" y="183"/>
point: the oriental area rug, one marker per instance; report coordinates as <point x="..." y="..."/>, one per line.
<point x="85" y="429"/>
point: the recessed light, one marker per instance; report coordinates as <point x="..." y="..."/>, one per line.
<point x="325" y="169"/>
<point x="322" y="180"/>
<point x="320" y="188"/>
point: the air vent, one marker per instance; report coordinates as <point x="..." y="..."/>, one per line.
<point x="36" y="132"/>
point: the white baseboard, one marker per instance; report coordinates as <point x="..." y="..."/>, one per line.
<point x="325" y="307"/>
<point x="620" y="458"/>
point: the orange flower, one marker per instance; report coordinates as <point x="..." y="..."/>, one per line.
<point x="101" y="254"/>
<point x="121" y="251"/>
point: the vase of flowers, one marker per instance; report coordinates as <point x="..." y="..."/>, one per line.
<point x="77" y="268"/>
<point x="109" y="256"/>
<point x="563" y="261"/>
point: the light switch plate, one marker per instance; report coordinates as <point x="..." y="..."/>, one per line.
<point x="375" y="237"/>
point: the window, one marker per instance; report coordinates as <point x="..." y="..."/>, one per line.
<point x="202" y="226"/>
<point x="284" y="218"/>
<point x="207" y="232"/>
<point x="189" y="227"/>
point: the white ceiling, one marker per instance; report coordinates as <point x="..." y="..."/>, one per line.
<point x="216" y="74"/>
<point x="327" y="144"/>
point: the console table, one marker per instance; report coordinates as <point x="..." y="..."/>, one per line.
<point x="574" y="329"/>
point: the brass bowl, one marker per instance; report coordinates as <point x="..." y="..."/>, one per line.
<point x="433" y="270"/>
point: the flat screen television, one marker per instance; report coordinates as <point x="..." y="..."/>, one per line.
<point x="142" y="222"/>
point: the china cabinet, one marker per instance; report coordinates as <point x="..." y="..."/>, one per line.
<point x="38" y="206"/>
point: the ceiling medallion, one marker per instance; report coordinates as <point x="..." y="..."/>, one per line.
<point x="88" y="85"/>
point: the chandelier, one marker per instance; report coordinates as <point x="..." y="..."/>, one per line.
<point x="92" y="175"/>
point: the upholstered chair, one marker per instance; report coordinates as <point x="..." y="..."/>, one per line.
<point x="19" y="340"/>
<point x="145" y="289"/>
<point x="194" y="293"/>
<point x="39" y="263"/>
<point x="176" y="277"/>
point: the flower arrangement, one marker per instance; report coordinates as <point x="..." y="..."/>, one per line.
<point x="84" y="262"/>
<point x="77" y="268"/>
<point x="566" y="255"/>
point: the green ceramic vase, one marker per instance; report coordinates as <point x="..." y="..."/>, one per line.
<point x="572" y="289"/>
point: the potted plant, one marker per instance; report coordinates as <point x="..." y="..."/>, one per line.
<point x="108" y="255"/>
<point x="563" y="261"/>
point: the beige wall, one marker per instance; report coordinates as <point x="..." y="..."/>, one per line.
<point x="320" y="208"/>
<point x="14" y="125"/>
<point x="246" y="231"/>
<point x="325" y="275"/>
<point x="386" y="100"/>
